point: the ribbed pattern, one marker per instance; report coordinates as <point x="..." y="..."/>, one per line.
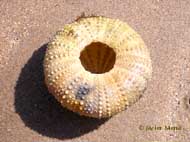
<point x="97" y="66"/>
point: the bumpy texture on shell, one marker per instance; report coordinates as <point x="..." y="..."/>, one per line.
<point x="90" y="87"/>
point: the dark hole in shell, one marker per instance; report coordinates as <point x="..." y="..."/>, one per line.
<point x="97" y="58"/>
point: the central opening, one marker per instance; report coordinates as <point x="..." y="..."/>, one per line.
<point x="97" y="58"/>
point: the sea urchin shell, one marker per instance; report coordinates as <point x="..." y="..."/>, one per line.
<point x="97" y="66"/>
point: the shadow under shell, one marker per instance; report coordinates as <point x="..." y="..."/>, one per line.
<point x="40" y="111"/>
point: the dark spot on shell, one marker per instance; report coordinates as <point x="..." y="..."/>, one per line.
<point x="82" y="91"/>
<point x="70" y="33"/>
<point x="84" y="15"/>
<point x="81" y="16"/>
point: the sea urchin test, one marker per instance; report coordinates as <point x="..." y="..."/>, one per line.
<point x="97" y="66"/>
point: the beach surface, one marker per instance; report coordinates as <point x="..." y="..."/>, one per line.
<point x="28" y="113"/>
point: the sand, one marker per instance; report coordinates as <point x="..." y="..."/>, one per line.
<point x="28" y="113"/>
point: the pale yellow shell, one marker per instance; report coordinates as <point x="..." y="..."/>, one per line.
<point x="97" y="66"/>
